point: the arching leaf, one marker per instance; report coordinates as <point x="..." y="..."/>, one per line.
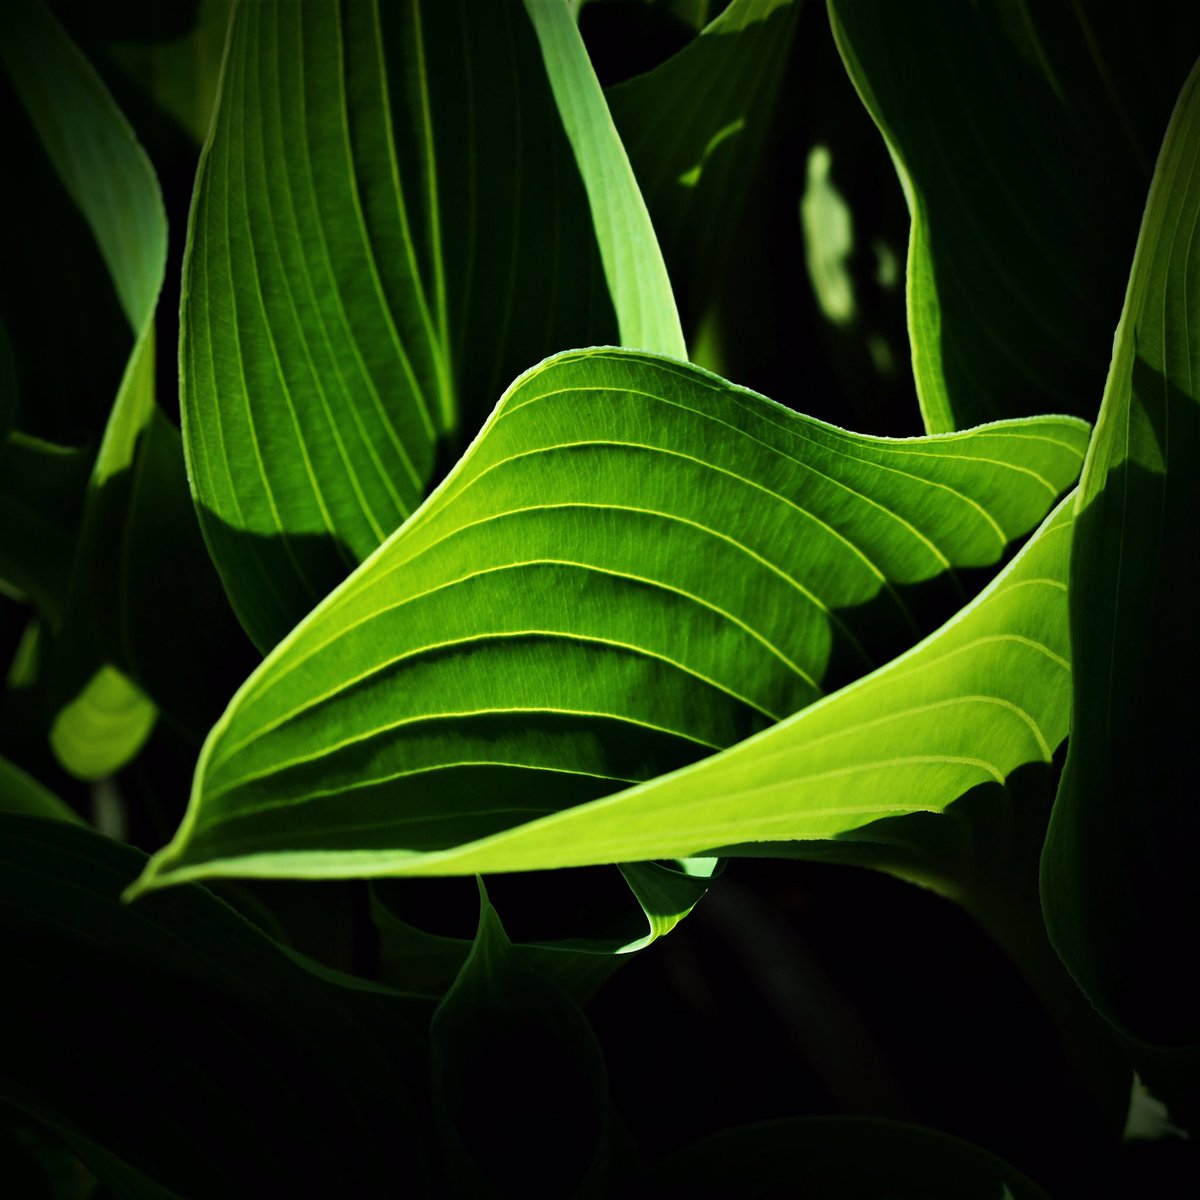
<point x="637" y="564"/>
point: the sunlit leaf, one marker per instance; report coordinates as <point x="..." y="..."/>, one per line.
<point x="387" y="226"/>
<point x="637" y="276"/>
<point x="637" y="564"/>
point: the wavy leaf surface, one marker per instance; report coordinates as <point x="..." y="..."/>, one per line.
<point x="1025" y="155"/>
<point x="636" y="564"/>
<point x="1118" y="881"/>
<point x="387" y="226"/>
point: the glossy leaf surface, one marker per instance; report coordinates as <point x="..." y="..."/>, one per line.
<point x="635" y="565"/>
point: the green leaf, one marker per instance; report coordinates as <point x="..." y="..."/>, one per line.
<point x="94" y="153"/>
<point x="1118" y="881"/>
<point x="423" y="963"/>
<point x="635" y="565"/>
<point x="103" y="726"/>
<point x="182" y="74"/>
<point x="633" y="263"/>
<point x="500" y="1022"/>
<point x="840" y="1158"/>
<point x="225" y="1067"/>
<point x="42" y="488"/>
<point x="123" y="626"/>
<point x="21" y="793"/>
<point x="1024" y="155"/>
<point x="694" y="128"/>
<point x="387" y="226"/>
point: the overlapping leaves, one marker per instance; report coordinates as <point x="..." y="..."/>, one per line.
<point x="387" y="227"/>
<point x="635" y="565"/>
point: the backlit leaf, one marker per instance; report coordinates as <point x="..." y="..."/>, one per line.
<point x="387" y="226"/>
<point x="637" y="564"/>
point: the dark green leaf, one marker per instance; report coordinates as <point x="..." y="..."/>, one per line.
<point x="224" y="1067"/>
<point x="840" y="1158"/>
<point x="1119" y="883"/>
<point x="1024" y="136"/>
<point x="693" y="129"/>
<point x="502" y="1022"/>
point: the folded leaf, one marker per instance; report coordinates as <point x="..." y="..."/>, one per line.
<point x="635" y="565"/>
<point x="387" y="226"/>
<point x="225" y="1068"/>
<point x="1025" y="154"/>
<point x="1118" y="880"/>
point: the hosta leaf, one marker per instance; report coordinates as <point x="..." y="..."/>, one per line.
<point x="633" y="263"/>
<point x="1118" y="883"/>
<point x="840" y="1158"/>
<point x="635" y="565"/>
<point x="1025" y="155"/>
<point x="984" y="695"/>
<point x="693" y="128"/>
<point x="502" y="1021"/>
<point x="225" y="1067"/>
<point x="387" y="225"/>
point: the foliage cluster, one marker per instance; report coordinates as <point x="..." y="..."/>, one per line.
<point x="391" y="667"/>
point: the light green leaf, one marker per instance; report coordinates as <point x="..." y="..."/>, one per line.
<point x="1118" y="881"/>
<point x="387" y="226"/>
<point x="299" y="1085"/>
<point x="840" y="1158"/>
<point x="633" y="263"/>
<point x="1025" y="156"/>
<point x="635" y="565"/>
<point x="103" y="726"/>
